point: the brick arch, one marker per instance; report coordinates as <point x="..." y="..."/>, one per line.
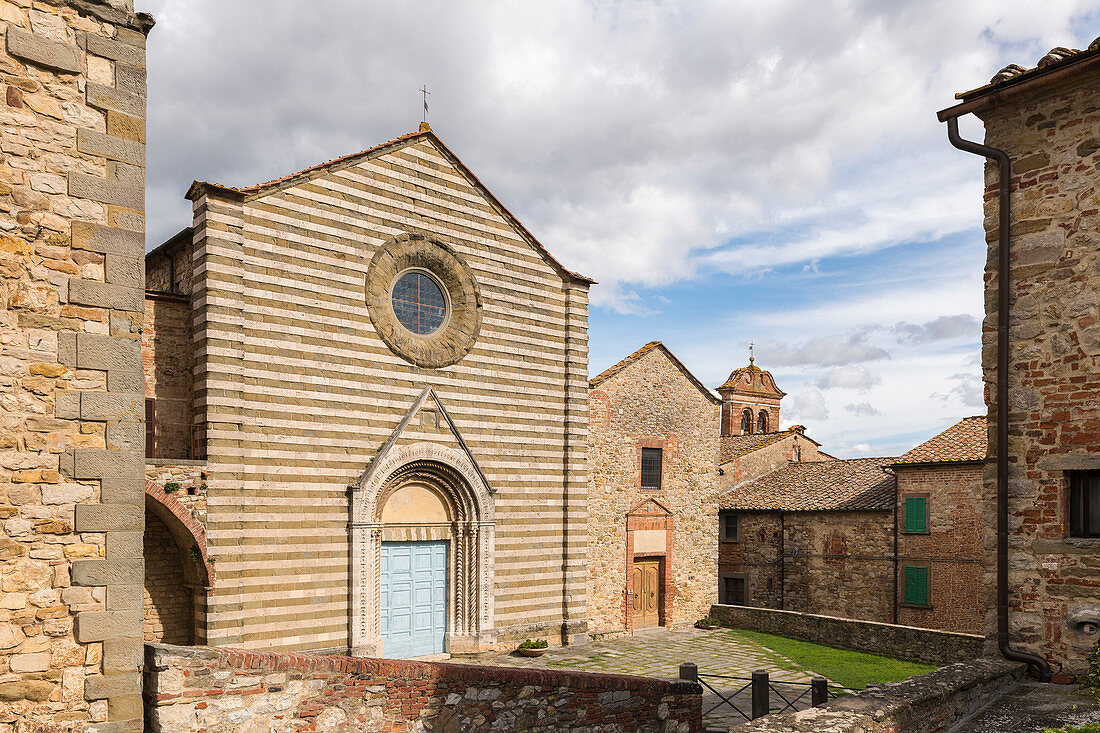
<point x="185" y="529"/>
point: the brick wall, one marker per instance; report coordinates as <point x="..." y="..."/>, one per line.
<point x="218" y="689"/>
<point x="71" y="279"/>
<point x="169" y="607"/>
<point x="651" y="403"/>
<point x="1051" y="136"/>
<point x="938" y="701"/>
<point x="166" y="358"/>
<point x="952" y="548"/>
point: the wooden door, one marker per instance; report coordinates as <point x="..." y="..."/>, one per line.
<point x="647" y="593"/>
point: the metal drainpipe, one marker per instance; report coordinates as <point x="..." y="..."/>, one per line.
<point x="782" y="565"/>
<point x="1004" y="217"/>
<point x="897" y="489"/>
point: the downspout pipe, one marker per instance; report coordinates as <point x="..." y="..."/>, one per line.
<point x="1004" y="217"/>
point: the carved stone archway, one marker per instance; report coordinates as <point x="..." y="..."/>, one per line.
<point x="468" y="527"/>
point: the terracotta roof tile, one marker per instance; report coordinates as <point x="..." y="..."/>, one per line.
<point x="1014" y="73"/>
<point x="860" y="484"/>
<point x="965" y="441"/>
<point x="736" y="446"/>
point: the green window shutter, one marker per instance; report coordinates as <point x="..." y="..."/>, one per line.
<point x="916" y="513"/>
<point x="916" y="585"/>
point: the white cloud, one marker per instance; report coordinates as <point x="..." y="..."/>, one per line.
<point x="850" y="377"/>
<point x="836" y="349"/>
<point x="944" y="327"/>
<point x="806" y="407"/>
<point x="863" y="409"/>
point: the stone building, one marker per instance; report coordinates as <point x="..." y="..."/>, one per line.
<point x="1042" y="134"/>
<point x="367" y="397"/>
<point x="815" y="537"/>
<point x="653" y="482"/>
<point x="72" y="220"/>
<point x="939" y="530"/>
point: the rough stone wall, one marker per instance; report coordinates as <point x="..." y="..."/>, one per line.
<point x="168" y="603"/>
<point x="756" y="555"/>
<point x="935" y="702"/>
<point x="651" y="403"/>
<point x="226" y="690"/>
<point x="953" y="547"/>
<point x="296" y="391"/>
<point x="168" y="271"/>
<point x="167" y="359"/>
<point x="71" y="243"/>
<point x="839" y="564"/>
<point x="184" y="481"/>
<point x="767" y="459"/>
<point x="1053" y="139"/>
<point x="930" y="646"/>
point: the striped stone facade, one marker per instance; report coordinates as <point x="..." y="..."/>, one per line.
<point x="308" y="418"/>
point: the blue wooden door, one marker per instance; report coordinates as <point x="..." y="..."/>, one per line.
<point x="414" y="598"/>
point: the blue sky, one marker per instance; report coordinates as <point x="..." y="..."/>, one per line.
<point x="728" y="171"/>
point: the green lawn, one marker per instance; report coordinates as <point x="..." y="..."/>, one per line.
<point x="854" y="670"/>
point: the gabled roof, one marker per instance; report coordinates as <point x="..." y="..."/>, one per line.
<point x="424" y="134"/>
<point x="964" y="442"/>
<point x="859" y="484"/>
<point x="653" y="346"/>
<point x="1015" y="79"/>
<point x="735" y="446"/>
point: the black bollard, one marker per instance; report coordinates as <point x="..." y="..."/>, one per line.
<point x="689" y="672"/>
<point x="819" y="691"/>
<point x="761" y="695"/>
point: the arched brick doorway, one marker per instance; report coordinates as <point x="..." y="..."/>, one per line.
<point x="177" y="571"/>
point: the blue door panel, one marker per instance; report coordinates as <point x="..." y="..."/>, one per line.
<point x="413" y="597"/>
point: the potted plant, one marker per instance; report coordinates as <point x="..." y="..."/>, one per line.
<point x="707" y="623"/>
<point x="531" y="648"/>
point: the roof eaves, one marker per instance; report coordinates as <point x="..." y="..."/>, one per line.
<point x="183" y="234"/>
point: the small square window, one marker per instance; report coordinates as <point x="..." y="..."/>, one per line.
<point x="734" y="590"/>
<point x="915" y="514"/>
<point x="651" y="468"/>
<point x="729" y="524"/>
<point x="915" y="585"/>
<point x="1084" y="503"/>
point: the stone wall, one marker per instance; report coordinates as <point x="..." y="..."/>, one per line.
<point x="952" y="548"/>
<point x="1052" y="136"/>
<point x="902" y="642"/>
<point x="770" y="457"/>
<point x="756" y="556"/>
<point x="931" y="703"/>
<point x="71" y="438"/>
<point x="651" y="403"/>
<point x="169" y="607"/>
<point x="218" y="690"/>
<point x="166" y="357"/>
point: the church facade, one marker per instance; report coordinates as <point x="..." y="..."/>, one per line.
<point x="381" y="432"/>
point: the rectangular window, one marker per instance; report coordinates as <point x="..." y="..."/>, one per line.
<point x="651" y="468"/>
<point x="729" y="527"/>
<point x="915" y="514"/>
<point x="915" y="585"/>
<point x="150" y="428"/>
<point x="734" y="590"/>
<point x="1084" y="503"/>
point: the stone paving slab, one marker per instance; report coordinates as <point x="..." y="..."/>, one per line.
<point x="659" y="653"/>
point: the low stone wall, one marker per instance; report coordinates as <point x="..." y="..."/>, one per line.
<point x="227" y="690"/>
<point x="928" y="703"/>
<point x="902" y="642"/>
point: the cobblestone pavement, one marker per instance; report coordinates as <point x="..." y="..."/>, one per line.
<point x="659" y="652"/>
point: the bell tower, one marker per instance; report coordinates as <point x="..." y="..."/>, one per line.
<point x="750" y="401"/>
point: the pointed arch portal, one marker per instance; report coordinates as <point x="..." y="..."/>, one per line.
<point x="422" y="495"/>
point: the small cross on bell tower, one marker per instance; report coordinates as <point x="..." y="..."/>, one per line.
<point x="424" y="123"/>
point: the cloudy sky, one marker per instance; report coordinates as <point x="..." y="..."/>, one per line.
<point x="728" y="171"/>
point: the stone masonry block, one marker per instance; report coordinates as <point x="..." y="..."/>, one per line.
<point x="108" y="240"/>
<point x="66" y="404"/>
<point x="94" y="351"/>
<point x="99" y="463"/>
<point x="101" y="625"/>
<point x="123" y="655"/>
<point x="115" y="726"/>
<point x="108" y="572"/>
<point x="110" y="518"/>
<point x="114" y="100"/>
<point x="94" y="188"/>
<point x="128" y="271"/>
<point x="125" y="707"/>
<point x="66" y="463"/>
<point x="125" y="598"/>
<point x="131" y="79"/>
<point x="107" y="48"/>
<point x="109" y="146"/>
<point x="110" y="406"/>
<point x="105" y="295"/>
<point x="38" y="50"/>
<point x="122" y="491"/>
<point x="125" y="545"/>
<point x="66" y="348"/>
<point x="119" y="381"/>
<point x="101" y="687"/>
<point x="126" y="435"/>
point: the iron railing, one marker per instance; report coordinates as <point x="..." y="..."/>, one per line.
<point x="762" y="689"/>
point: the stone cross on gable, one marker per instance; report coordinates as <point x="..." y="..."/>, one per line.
<point x="751" y="357"/>
<point x="425" y="92"/>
